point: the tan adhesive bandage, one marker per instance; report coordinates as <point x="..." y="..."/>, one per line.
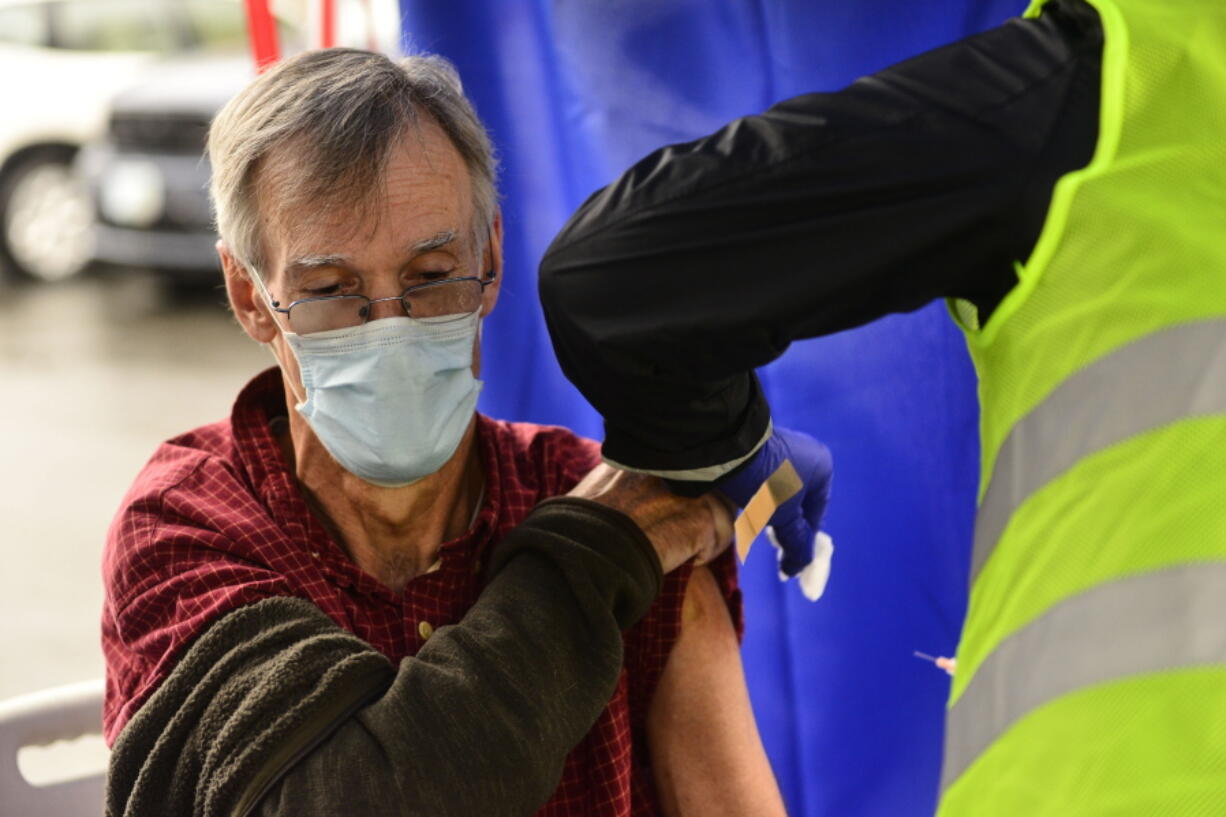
<point x="779" y="488"/>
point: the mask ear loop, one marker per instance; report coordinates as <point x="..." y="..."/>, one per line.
<point x="273" y="303"/>
<point x="259" y="284"/>
<point x="275" y="306"/>
<point x="492" y="274"/>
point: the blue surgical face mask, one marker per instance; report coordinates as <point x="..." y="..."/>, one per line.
<point x="390" y="400"/>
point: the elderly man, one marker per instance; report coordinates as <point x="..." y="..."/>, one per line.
<point x="347" y="511"/>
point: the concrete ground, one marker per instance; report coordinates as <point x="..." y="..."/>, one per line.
<point x="93" y="374"/>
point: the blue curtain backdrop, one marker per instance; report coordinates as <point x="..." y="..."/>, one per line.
<point x="575" y="91"/>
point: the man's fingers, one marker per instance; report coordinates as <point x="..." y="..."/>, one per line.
<point x="679" y="528"/>
<point x="723" y="516"/>
<point x="725" y="519"/>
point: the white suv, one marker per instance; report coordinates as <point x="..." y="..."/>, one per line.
<point x="61" y="62"/>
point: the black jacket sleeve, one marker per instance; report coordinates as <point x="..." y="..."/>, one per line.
<point x="277" y="711"/>
<point x="707" y="259"/>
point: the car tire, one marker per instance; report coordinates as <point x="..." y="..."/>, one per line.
<point x="46" y="216"/>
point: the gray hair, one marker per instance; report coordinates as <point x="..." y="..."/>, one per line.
<point x="343" y="109"/>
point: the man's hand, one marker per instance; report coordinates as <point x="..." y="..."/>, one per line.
<point x="796" y="522"/>
<point x="680" y="528"/>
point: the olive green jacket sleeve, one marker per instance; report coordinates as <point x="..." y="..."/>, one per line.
<point x="275" y="710"/>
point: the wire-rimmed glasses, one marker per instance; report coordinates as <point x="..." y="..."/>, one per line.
<point x="435" y="301"/>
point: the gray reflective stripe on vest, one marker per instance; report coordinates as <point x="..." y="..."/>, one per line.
<point x="1148" y="623"/>
<point x="1159" y="379"/>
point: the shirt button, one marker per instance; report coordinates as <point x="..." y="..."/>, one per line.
<point x="315" y="553"/>
<point x="425" y="630"/>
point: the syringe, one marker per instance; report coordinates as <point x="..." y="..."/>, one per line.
<point x="947" y="664"/>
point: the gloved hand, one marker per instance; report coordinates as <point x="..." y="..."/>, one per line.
<point x="797" y="522"/>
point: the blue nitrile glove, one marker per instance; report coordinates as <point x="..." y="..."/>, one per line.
<point x="796" y="522"/>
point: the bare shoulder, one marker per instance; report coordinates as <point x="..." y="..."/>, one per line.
<point x="705" y="605"/>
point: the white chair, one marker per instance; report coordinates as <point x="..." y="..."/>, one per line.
<point x="42" y="718"/>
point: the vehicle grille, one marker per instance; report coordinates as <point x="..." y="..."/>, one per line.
<point x="159" y="132"/>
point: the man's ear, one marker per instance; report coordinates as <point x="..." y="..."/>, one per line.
<point x="245" y="298"/>
<point x="491" y="262"/>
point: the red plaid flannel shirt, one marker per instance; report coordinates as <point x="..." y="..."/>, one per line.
<point x="216" y="521"/>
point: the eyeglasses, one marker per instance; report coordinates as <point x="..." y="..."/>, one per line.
<point x="435" y="301"/>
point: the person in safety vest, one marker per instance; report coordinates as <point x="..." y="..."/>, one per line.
<point x="1061" y="180"/>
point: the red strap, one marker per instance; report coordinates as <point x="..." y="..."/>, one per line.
<point x="263" y="30"/>
<point x="327" y="29"/>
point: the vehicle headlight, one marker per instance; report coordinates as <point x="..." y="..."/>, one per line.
<point x="132" y="193"/>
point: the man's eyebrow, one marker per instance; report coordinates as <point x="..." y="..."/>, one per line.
<point x="304" y="263"/>
<point x="434" y="242"/>
<point x="310" y="262"/>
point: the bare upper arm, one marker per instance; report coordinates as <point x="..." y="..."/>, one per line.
<point x="706" y="753"/>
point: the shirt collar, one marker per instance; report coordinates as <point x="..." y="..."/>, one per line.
<point x="263" y="399"/>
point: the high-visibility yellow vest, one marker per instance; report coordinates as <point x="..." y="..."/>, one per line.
<point x="1092" y="668"/>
